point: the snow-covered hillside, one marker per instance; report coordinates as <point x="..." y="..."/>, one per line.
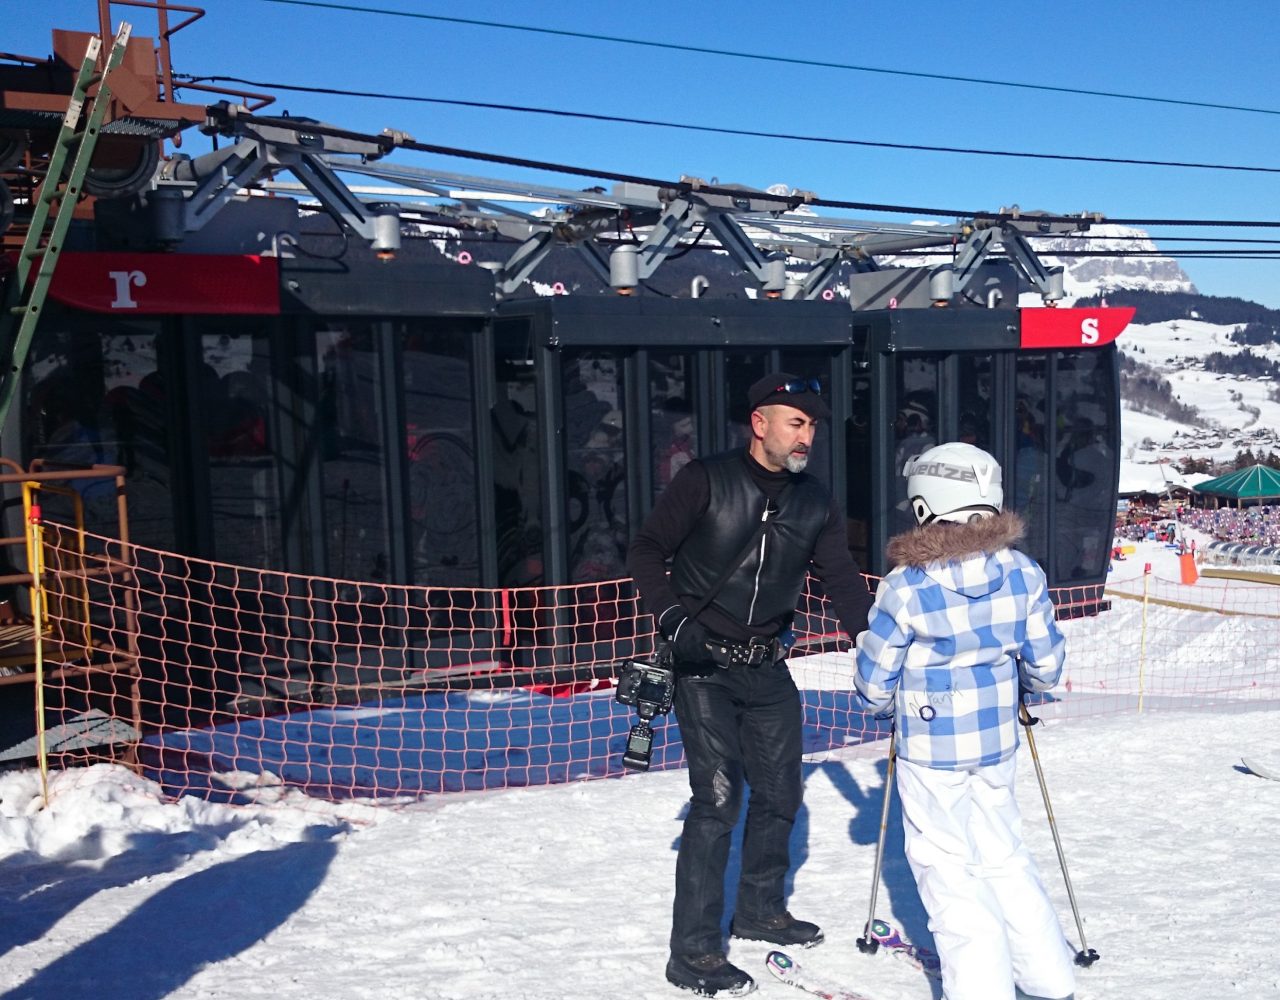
<point x="1238" y="408"/>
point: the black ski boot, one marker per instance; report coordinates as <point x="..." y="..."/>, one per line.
<point x="709" y="975"/>
<point x="781" y="929"/>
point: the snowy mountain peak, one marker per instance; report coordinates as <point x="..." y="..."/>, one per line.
<point x="1146" y="269"/>
<point x="1086" y="275"/>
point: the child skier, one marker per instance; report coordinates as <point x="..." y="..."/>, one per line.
<point x="959" y="626"/>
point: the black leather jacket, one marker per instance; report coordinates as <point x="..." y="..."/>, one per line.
<point x="766" y="586"/>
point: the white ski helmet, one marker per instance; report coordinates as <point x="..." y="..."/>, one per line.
<point x="954" y="482"/>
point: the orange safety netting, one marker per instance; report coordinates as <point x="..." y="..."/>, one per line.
<point x="214" y="679"/>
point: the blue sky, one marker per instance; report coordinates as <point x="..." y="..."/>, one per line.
<point x="1219" y="53"/>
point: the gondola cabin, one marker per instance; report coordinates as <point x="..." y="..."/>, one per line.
<point x="392" y="420"/>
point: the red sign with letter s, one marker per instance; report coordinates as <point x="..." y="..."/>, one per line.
<point x="1067" y="328"/>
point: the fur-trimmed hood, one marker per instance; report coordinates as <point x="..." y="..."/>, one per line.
<point x="962" y="557"/>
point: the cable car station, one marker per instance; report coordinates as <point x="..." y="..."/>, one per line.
<point x="313" y="382"/>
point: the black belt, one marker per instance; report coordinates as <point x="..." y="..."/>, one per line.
<point x="755" y="652"/>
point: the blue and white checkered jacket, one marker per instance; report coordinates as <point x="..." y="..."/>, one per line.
<point x="956" y="627"/>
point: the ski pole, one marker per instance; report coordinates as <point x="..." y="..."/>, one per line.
<point x="868" y="944"/>
<point x="1086" y="956"/>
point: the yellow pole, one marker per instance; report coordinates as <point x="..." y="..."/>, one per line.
<point x="1142" y="658"/>
<point x="35" y="543"/>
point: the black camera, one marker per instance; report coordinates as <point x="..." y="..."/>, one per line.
<point x="649" y="686"/>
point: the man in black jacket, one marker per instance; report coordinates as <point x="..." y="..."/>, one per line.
<point x="743" y="529"/>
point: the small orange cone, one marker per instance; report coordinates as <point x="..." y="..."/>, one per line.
<point x="1189" y="572"/>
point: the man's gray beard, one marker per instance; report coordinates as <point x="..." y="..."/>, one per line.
<point x="788" y="460"/>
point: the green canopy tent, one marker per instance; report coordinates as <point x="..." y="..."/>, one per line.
<point x="1256" y="483"/>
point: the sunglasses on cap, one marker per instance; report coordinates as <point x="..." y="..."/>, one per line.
<point x="798" y="385"/>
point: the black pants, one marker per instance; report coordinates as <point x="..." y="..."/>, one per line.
<point x="736" y="723"/>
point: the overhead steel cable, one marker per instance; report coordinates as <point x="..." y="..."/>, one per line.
<point x="765" y="57"/>
<point x="1228" y="251"/>
<point x="1219" y="253"/>
<point x="785" y="201"/>
<point x="1163" y="239"/>
<point x="724" y="130"/>
<point x="1209" y="253"/>
<point x="1206" y="223"/>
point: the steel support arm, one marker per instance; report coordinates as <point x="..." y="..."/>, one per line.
<point x="971" y="255"/>
<point x="675" y="222"/>
<point x="596" y="259"/>
<point x="218" y="178"/>
<point x="1047" y="281"/>
<point x="332" y="193"/>
<point x="522" y="263"/>
<point x="820" y="275"/>
<point x="770" y="272"/>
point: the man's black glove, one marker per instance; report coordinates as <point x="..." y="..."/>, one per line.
<point x="689" y="642"/>
<point x="688" y="638"/>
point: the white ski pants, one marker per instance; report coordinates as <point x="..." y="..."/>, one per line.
<point x="992" y="922"/>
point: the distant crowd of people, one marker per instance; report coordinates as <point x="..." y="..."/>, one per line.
<point x="1259" y="525"/>
<point x="1140" y="522"/>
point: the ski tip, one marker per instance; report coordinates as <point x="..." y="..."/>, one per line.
<point x="780" y="964"/>
<point x="1268" y="769"/>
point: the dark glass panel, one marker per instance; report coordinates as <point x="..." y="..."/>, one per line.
<point x="914" y="428"/>
<point x="517" y="467"/>
<point x="595" y="472"/>
<point x="1085" y="463"/>
<point x="238" y="414"/>
<point x="439" y="407"/>
<point x="975" y="401"/>
<point x="1027" y="484"/>
<point x="674" y="421"/>
<point x="740" y="370"/>
<point x="94" y="394"/>
<point x="859" y="473"/>
<point x="352" y="465"/>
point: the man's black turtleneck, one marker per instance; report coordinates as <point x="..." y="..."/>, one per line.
<point x="678" y="510"/>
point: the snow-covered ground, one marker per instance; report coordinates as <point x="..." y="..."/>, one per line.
<point x="564" y="892"/>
